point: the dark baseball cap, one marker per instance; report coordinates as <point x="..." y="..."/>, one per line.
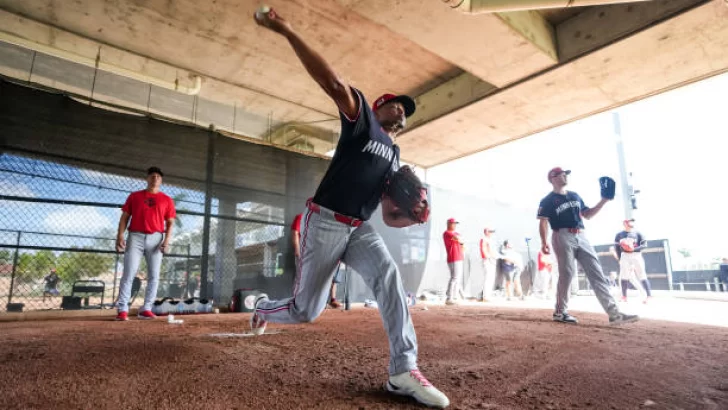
<point x="407" y="102"/>
<point x="155" y="170"/>
<point x="628" y="220"/>
<point x="558" y="171"/>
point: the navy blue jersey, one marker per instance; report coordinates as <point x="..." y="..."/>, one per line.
<point x="365" y="156"/>
<point x="638" y="238"/>
<point x="563" y="211"/>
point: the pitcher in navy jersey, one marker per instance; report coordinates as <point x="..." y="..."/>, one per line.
<point x="336" y="225"/>
<point x="628" y="246"/>
<point x="563" y="210"/>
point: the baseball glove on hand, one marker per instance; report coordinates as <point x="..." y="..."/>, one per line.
<point x="409" y="194"/>
<point x="608" y="187"/>
<point x="627" y="244"/>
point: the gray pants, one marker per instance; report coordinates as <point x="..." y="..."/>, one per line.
<point x="454" y="289"/>
<point x="324" y="241"/>
<point x="569" y="247"/>
<point x="138" y="244"/>
<point x="489" y="271"/>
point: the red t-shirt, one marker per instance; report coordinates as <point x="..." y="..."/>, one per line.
<point x="452" y="246"/>
<point x="148" y="211"/>
<point x="544" y="262"/>
<point x="296" y="225"/>
<point x="490" y="250"/>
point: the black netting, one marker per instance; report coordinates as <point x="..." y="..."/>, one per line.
<point x="67" y="168"/>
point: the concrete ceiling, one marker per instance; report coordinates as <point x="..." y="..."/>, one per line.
<point x="480" y="80"/>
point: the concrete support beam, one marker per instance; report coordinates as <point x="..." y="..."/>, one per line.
<point x="66" y="42"/>
<point x="448" y="97"/>
<point x="226" y="263"/>
<point x="599" y="26"/>
<point x="483" y="45"/>
<point x="681" y="50"/>
<point x="534" y="28"/>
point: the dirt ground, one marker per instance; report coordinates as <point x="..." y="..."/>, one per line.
<point x="481" y="357"/>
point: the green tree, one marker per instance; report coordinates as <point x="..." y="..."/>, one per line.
<point x="23" y="271"/>
<point x="34" y="266"/>
<point x="6" y="256"/>
<point x="178" y="198"/>
<point x="73" y="266"/>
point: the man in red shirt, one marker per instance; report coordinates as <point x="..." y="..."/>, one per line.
<point x="152" y="216"/>
<point x="296" y="240"/>
<point x="454" y="249"/>
<point x="544" y="276"/>
<point x="489" y="258"/>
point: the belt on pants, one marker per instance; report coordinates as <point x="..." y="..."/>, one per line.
<point x="571" y="230"/>
<point x="339" y="217"/>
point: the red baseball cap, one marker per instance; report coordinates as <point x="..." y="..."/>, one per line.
<point x="452" y="221"/>
<point x="558" y="171"/>
<point x="407" y="102"/>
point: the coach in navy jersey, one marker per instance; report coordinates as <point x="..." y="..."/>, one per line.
<point x="563" y="210"/>
<point x="336" y="225"/>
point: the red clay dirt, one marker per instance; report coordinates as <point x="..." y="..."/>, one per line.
<point x="482" y="358"/>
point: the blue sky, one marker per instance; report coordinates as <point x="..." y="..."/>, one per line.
<point x="675" y="149"/>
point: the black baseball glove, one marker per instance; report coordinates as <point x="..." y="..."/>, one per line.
<point x="608" y="187"/>
<point x="409" y="194"/>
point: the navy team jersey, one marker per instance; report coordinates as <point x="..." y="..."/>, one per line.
<point x="365" y="156"/>
<point x="638" y="238"/>
<point x="563" y="211"/>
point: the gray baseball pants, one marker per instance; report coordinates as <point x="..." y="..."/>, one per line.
<point x="454" y="289"/>
<point x="489" y="271"/>
<point x="324" y="241"/>
<point x="138" y="244"/>
<point x="571" y="247"/>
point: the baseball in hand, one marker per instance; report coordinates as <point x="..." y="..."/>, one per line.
<point x="262" y="13"/>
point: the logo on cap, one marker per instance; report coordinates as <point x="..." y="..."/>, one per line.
<point x="557" y="171"/>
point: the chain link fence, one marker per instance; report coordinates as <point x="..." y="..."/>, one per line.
<point x="66" y="172"/>
<point x="55" y="233"/>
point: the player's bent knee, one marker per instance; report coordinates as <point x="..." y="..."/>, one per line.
<point x="307" y="316"/>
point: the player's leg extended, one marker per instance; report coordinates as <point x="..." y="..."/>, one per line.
<point x="630" y="271"/>
<point x="625" y="275"/>
<point x="368" y="255"/>
<point x="593" y="269"/>
<point x="154" y="262"/>
<point x="563" y="247"/>
<point x="641" y="273"/>
<point x="132" y="258"/>
<point x="323" y="241"/>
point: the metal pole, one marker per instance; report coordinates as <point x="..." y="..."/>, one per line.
<point x="347" y="301"/>
<point x="15" y="266"/>
<point x="204" y="260"/>
<point x="623" y="175"/>
<point x="187" y="268"/>
<point x="116" y="271"/>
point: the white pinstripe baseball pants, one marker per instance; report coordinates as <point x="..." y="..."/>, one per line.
<point x="324" y="241"/>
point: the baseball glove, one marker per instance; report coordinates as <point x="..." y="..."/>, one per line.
<point x="608" y="187"/>
<point x="409" y="194"/>
<point x="627" y="244"/>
